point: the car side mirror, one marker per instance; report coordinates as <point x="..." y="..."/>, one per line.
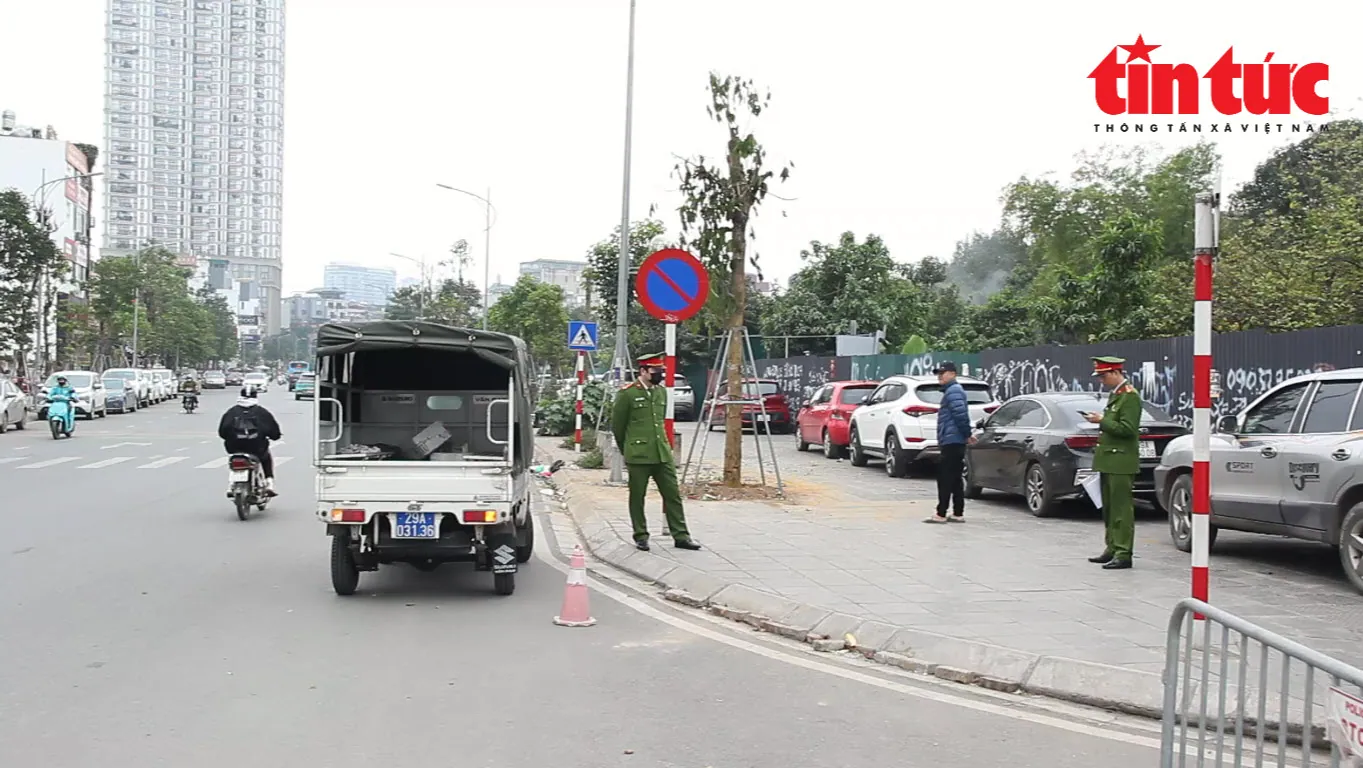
<point x="1227" y="424"/>
<point x="979" y="424"/>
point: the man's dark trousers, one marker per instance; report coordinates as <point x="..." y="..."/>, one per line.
<point x="950" y="485"/>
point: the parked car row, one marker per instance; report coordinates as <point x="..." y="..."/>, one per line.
<point x="117" y="390"/>
<point x="1290" y="464"/>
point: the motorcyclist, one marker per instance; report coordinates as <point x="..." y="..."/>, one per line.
<point x="64" y="392"/>
<point x="248" y="428"/>
<point x="190" y="386"/>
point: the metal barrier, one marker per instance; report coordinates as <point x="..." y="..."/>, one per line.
<point x="1230" y="664"/>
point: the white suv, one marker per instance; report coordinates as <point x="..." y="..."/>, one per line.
<point x="898" y="422"/>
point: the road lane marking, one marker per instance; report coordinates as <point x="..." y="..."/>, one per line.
<point x="217" y="463"/>
<point x="281" y="459"/>
<point x="106" y="462"/>
<point x="163" y="462"/>
<point x="12" y="458"/>
<point x="49" y="462"/>
<point x="120" y="445"/>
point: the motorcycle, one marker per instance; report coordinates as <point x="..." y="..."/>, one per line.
<point x="190" y="401"/>
<point x="61" y="416"/>
<point x="248" y="484"/>
<point x="281" y="379"/>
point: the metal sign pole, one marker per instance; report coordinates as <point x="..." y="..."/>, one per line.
<point x="1204" y="254"/>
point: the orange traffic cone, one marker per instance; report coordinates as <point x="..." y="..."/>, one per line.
<point x="575" y="612"/>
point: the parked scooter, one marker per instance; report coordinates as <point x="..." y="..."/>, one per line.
<point x="248" y="484"/>
<point x="61" y="416"/>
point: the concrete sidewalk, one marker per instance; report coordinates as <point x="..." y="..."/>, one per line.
<point x="1003" y="600"/>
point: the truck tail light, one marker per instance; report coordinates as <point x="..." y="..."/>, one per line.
<point x="480" y="515"/>
<point x="920" y="410"/>
<point x="347" y="515"/>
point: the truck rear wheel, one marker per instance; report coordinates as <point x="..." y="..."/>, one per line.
<point x="526" y="549"/>
<point x="504" y="583"/>
<point x="345" y="576"/>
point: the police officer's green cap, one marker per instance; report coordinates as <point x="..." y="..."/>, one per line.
<point x="1102" y="365"/>
<point x="653" y="361"/>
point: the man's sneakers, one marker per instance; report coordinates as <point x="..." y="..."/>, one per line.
<point x="269" y="487"/>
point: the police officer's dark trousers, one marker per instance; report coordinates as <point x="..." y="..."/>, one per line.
<point x="664" y="475"/>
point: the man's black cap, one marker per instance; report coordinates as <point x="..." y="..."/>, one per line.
<point x="945" y="366"/>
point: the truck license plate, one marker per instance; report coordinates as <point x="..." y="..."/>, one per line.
<point x="1147" y="449"/>
<point x="415" y="525"/>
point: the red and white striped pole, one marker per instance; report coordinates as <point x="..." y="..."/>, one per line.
<point x="581" y="385"/>
<point x="670" y="379"/>
<point x="1204" y="253"/>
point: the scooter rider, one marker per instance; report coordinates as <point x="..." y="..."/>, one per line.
<point x="64" y="392"/>
<point x="248" y="428"/>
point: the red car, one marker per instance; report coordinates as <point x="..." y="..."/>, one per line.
<point x="825" y="419"/>
<point x="777" y="409"/>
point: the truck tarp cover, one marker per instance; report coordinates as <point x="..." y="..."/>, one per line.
<point x="500" y="349"/>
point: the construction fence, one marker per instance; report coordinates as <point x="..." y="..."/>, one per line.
<point x="1249" y="364"/>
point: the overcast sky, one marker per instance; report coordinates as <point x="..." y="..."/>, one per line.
<point x="903" y="119"/>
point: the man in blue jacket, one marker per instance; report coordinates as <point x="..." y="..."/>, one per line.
<point x="953" y="434"/>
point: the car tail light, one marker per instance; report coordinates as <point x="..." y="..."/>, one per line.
<point x="990" y="408"/>
<point x="480" y="515"/>
<point x="914" y="439"/>
<point x="920" y="410"/>
<point x="1081" y="442"/>
<point x="239" y="464"/>
<point x="347" y="515"/>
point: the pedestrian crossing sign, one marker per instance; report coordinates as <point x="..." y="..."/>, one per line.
<point x="581" y="336"/>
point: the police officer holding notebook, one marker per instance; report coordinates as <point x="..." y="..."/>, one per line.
<point x="1117" y="459"/>
<point x="637" y="424"/>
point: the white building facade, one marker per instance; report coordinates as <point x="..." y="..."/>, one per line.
<point x="41" y="167"/>
<point x="194" y="133"/>
<point x="368" y="285"/>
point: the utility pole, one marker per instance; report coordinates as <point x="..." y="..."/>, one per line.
<point x="625" y="261"/>
<point x="137" y="300"/>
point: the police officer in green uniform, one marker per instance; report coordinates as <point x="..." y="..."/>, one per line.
<point x="1117" y="460"/>
<point x="637" y="423"/>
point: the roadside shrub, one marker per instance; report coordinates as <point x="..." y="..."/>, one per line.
<point x="588" y="441"/>
<point x="592" y="460"/>
<point x="557" y="413"/>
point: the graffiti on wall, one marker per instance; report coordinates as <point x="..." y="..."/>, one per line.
<point x="798" y="378"/>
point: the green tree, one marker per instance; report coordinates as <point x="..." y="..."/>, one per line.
<point x="453" y="302"/>
<point x="30" y="267"/>
<point x="720" y="202"/>
<point x="537" y="312"/>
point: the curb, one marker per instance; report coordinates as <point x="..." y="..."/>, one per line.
<point x="967" y="662"/>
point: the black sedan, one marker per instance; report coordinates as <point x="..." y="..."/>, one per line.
<point x="1041" y="448"/>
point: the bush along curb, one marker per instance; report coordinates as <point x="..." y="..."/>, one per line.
<point x="967" y="662"/>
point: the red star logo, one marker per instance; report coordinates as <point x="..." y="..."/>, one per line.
<point x="1138" y="50"/>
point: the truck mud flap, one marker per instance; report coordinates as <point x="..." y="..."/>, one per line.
<point x="501" y="548"/>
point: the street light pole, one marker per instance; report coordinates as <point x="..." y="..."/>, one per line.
<point x="624" y="259"/>
<point x="38" y="199"/>
<point x="488" y="211"/>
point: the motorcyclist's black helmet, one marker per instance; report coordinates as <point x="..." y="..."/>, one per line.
<point x="249" y="392"/>
<point x="61" y="381"/>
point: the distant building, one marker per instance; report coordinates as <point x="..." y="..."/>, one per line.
<point x="30" y="159"/>
<point x="324" y="305"/>
<point x="567" y="275"/>
<point x="497" y="290"/>
<point x="369" y="285"/>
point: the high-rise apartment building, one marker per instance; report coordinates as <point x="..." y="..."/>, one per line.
<point x="367" y="285"/>
<point x="565" y="274"/>
<point x="194" y="134"/>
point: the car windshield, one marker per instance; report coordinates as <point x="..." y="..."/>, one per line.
<point x="120" y="375"/>
<point x="1150" y="414"/>
<point x="74" y="380"/>
<point x="256" y="376"/>
<point x="753" y="388"/>
<point x="114" y="383"/>
<point x="855" y="395"/>
<point x="212" y="375"/>
<point x="975" y="394"/>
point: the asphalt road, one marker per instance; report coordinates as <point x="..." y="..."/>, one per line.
<point x="144" y="625"/>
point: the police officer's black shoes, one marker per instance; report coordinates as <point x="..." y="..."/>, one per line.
<point x="642" y="546"/>
<point x="1117" y="565"/>
<point x="1106" y="557"/>
<point x="686" y="544"/>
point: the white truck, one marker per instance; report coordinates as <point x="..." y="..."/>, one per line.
<point x="422" y="447"/>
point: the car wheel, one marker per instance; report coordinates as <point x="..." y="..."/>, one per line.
<point x="896" y="460"/>
<point x="104" y="412"/>
<point x="345" y="575"/>
<point x="831" y="450"/>
<point x="972" y="491"/>
<point x="4" y="422"/>
<point x="1038" y="492"/>
<point x="22" y="423"/>
<point x="858" y="456"/>
<point x="1181" y="515"/>
<point x="800" y="444"/>
<point x="1351" y="546"/>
